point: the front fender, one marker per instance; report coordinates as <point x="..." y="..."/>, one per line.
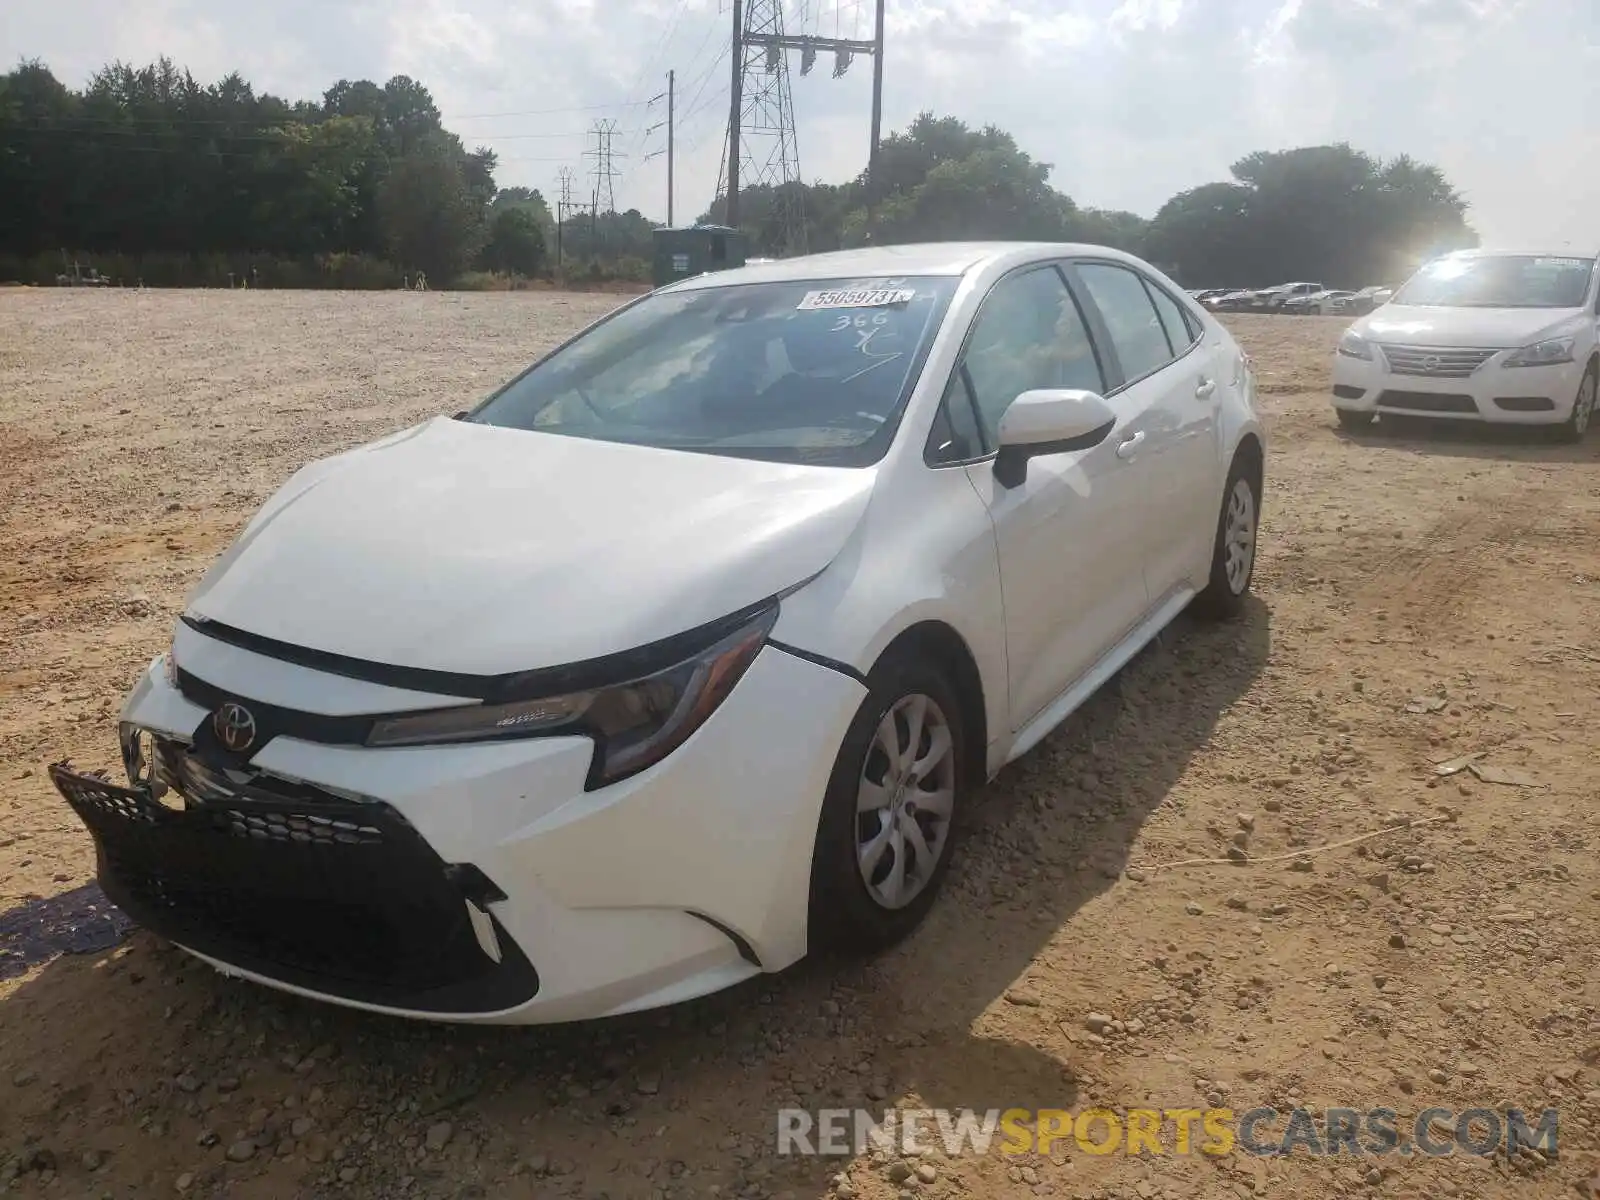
<point x="924" y="552"/>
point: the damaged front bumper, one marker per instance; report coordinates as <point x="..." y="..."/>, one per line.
<point x="294" y="883"/>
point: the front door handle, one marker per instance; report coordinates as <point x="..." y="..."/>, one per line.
<point x="1130" y="447"/>
<point x="1206" y="389"/>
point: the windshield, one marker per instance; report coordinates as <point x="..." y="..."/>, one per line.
<point x="814" y="371"/>
<point x="1499" y="281"/>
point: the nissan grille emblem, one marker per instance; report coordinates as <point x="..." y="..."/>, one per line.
<point x="235" y="727"/>
<point x="1432" y="363"/>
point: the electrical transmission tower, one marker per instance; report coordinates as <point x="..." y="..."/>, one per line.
<point x="603" y="171"/>
<point x="563" y="205"/>
<point x="762" y="149"/>
<point x="761" y="110"/>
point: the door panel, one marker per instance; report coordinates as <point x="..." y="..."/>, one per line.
<point x="1192" y="476"/>
<point x="1068" y="537"/>
<point x="1172" y="396"/>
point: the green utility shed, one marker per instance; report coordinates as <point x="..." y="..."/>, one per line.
<point x="681" y="253"/>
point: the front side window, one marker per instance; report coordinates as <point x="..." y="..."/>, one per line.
<point x="813" y="371"/>
<point x="1029" y="334"/>
<point x="1499" y="281"/>
<point x="1136" y="332"/>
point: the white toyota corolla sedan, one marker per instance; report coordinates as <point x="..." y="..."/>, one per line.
<point x="1479" y="335"/>
<point x="682" y="653"/>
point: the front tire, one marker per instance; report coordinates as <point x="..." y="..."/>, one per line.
<point x="891" y="812"/>
<point x="1233" y="553"/>
<point x="1351" y="419"/>
<point x="1583" y="406"/>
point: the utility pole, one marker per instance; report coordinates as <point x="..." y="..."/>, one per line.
<point x="672" y="86"/>
<point x="877" y="96"/>
<point x="735" y="114"/>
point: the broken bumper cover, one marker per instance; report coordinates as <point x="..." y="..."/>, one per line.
<point x="681" y="880"/>
<point x="318" y="892"/>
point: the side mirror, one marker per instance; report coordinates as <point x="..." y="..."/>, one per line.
<point x="1049" y="421"/>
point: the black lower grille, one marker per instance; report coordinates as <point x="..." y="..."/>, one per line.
<point x="341" y="896"/>
<point x="1447" y="402"/>
<point x="1525" y="403"/>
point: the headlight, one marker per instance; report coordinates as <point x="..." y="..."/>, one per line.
<point x="1353" y="346"/>
<point x="633" y="724"/>
<point x="1548" y="353"/>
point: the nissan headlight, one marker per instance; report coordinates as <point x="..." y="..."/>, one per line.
<point x="1354" y="346"/>
<point x="1551" y="352"/>
<point x="634" y="724"/>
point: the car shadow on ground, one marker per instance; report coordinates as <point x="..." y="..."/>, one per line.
<point x="1473" y="439"/>
<point x="670" y="1102"/>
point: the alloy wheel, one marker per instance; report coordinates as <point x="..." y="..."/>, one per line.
<point x="1239" y="536"/>
<point x="1584" y="406"/>
<point x="905" y="801"/>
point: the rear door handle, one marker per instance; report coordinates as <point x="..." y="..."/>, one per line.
<point x="1206" y="389"/>
<point x="1130" y="447"/>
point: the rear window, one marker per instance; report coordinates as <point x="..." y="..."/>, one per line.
<point x="812" y="371"/>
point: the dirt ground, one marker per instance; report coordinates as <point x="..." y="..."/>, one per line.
<point x="1422" y="595"/>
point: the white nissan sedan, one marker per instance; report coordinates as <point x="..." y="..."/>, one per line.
<point x="1479" y="335"/>
<point x="683" y="652"/>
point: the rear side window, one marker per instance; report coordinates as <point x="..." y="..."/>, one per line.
<point x="1136" y="330"/>
<point x="1174" y="320"/>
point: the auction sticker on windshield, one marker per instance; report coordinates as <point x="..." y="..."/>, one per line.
<point x="856" y="298"/>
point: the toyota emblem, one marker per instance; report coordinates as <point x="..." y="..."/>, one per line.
<point x="235" y="727"/>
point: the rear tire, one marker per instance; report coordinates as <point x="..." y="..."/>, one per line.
<point x="1349" y="418"/>
<point x="1583" y="406"/>
<point x="892" y="811"/>
<point x="1233" y="553"/>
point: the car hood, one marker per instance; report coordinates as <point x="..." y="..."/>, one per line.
<point x="468" y="548"/>
<point x="1499" y="328"/>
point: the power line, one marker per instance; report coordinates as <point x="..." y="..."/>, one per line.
<point x="542" y="112"/>
<point x="727" y="48"/>
<point x="517" y="137"/>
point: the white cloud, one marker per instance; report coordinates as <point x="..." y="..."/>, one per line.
<point x="1132" y="100"/>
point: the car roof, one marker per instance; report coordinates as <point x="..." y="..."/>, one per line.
<point x="1568" y="250"/>
<point x="952" y="259"/>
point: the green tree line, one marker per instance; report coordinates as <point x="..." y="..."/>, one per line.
<point x="150" y="175"/>
<point x="1328" y="213"/>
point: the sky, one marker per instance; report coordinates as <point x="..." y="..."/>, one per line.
<point x="1130" y="101"/>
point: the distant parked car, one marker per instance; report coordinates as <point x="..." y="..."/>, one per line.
<point x="1479" y="335"/>
<point x="1274" y="298"/>
<point x="1314" y="303"/>
<point x="1362" y="302"/>
<point x="1228" y="301"/>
